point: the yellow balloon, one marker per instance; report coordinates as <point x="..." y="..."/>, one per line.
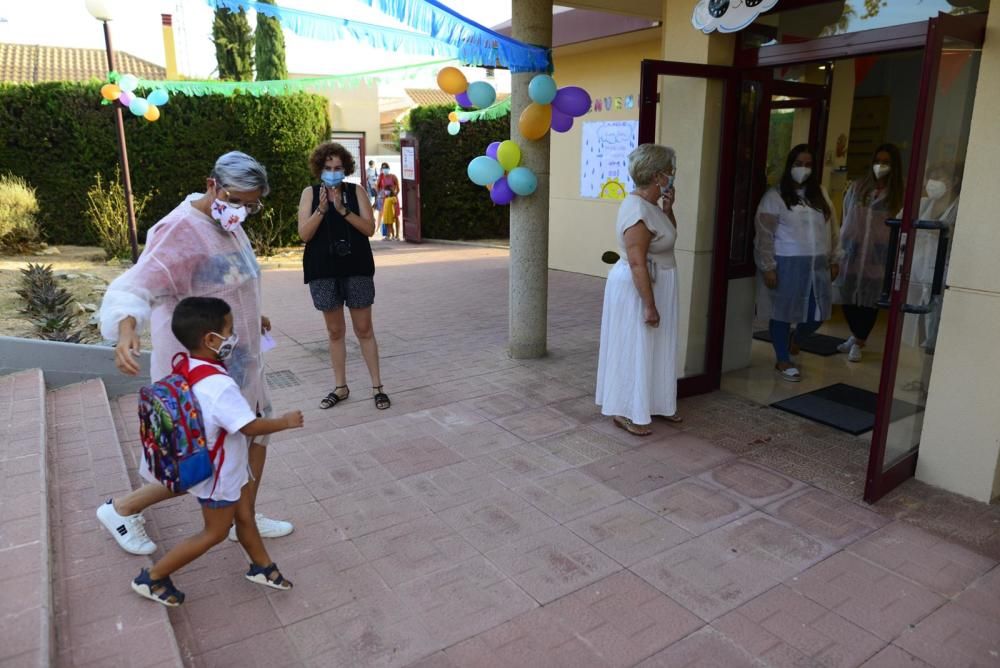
<point x="453" y="116"/>
<point x="110" y="92"/>
<point x="535" y="121"/>
<point x="152" y="113"/>
<point x="452" y="81"/>
<point x="509" y="155"/>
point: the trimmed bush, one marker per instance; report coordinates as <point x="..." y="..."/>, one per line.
<point x="58" y="136"/>
<point x="452" y="206"/>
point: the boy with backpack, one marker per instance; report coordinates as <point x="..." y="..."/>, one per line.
<point x="194" y="426"/>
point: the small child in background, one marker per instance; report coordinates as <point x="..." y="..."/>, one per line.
<point x="204" y="325"/>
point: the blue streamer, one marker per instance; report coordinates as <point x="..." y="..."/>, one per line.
<point x="477" y="44"/>
<point x="331" y="28"/>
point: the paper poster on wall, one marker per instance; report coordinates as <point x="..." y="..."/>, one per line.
<point x="409" y="163"/>
<point x="604" y="153"/>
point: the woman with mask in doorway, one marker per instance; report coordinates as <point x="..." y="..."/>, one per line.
<point x="796" y="253"/>
<point x="336" y="221"/>
<point x="200" y="248"/>
<point x="939" y="205"/>
<point x="864" y="244"/>
<point x="388" y="188"/>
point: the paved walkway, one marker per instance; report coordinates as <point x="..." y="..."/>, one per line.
<point x="493" y="518"/>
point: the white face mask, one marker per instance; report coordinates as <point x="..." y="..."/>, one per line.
<point x="936" y="189"/>
<point x="880" y="170"/>
<point x="229" y="216"/>
<point x="226" y="348"/>
<point x="801" y="174"/>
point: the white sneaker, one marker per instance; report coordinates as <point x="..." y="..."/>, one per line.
<point x="128" y="530"/>
<point x="267" y="528"/>
<point x="855" y="354"/>
<point x="845" y="347"/>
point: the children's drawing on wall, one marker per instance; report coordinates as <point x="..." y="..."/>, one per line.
<point x="605" y="146"/>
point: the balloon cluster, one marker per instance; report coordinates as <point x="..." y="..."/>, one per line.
<point x="551" y="107"/>
<point x="477" y="94"/>
<point x="498" y="170"/>
<point x="122" y="90"/>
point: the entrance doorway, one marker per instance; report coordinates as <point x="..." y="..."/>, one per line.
<point x="910" y="85"/>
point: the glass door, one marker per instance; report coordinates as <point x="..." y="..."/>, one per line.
<point x="706" y="164"/>
<point x="920" y="244"/>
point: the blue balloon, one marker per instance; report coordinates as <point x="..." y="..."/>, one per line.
<point x="483" y="170"/>
<point x="542" y="89"/>
<point x="481" y="94"/>
<point x="138" y="106"/>
<point x="522" y="181"/>
<point x="158" y="97"/>
<point x="454" y="127"/>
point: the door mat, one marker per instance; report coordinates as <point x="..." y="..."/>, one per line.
<point x="843" y="407"/>
<point x="817" y="344"/>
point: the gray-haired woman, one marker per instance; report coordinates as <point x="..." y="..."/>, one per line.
<point x="198" y="249"/>
<point x="636" y="372"/>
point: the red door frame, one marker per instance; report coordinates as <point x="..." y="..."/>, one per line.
<point x="410" y="191"/>
<point x="971" y="29"/>
<point x="651" y="71"/>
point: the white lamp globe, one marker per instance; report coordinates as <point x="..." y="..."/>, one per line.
<point x="102" y="10"/>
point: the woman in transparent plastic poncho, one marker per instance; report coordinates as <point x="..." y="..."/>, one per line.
<point x="198" y="249"/>
<point x="795" y="250"/>
<point x="864" y="243"/>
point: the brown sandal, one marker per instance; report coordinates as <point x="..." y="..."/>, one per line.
<point x="631" y="427"/>
<point x="675" y="418"/>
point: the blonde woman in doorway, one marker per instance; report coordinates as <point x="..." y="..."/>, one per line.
<point x="864" y="245"/>
<point x="636" y="371"/>
<point x="796" y="253"/>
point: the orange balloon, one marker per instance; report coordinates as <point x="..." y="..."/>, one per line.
<point x="453" y="116"/>
<point x="110" y="92"/>
<point x="452" y="81"/>
<point x="535" y="121"/>
<point x="152" y="113"/>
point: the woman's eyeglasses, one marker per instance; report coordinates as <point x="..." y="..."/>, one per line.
<point x="251" y="207"/>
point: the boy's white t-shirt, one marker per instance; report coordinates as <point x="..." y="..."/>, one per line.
<point x="222" y="407"/>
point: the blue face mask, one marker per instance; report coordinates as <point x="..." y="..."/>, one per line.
<point x="332" y="178"/>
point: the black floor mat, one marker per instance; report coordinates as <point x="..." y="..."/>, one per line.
<point x="817" y="344"/>
<point x="842" y="407"/>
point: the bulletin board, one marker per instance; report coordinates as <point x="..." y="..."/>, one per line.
<point x="604" y="150"/>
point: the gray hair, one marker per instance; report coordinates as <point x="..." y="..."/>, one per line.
<point x="648" y="160"/>
<point x="240" y="172"/>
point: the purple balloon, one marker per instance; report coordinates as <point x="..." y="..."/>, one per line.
<point x="501" y="193"/>
<point x="491" y="150"/>
<point x="561" y="122"/>
<point x="126" y="98"/>
<point x="464" y="101"/>
<point x="572" y="100"/>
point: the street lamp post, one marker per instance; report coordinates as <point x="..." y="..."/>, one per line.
<point x="102" y="11"/>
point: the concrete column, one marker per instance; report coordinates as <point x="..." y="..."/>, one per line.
<point x="529" y="216"/>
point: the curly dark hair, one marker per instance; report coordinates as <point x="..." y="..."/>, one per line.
<point x="327" y="150"/>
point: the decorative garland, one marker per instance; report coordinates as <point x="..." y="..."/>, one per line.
<point x="478" y="44"/>
<point x="498" y="110"/>
<point x="287" y="86"/>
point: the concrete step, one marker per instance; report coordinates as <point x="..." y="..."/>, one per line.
<point x="98" y="620"/>
<point x="26" y="629"/>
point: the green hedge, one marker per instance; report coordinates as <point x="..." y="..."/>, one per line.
<point x="58" y="136"/>
<point x="452" y="206"/>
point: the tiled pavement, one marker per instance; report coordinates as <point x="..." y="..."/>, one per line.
<point x="493" y="518"/>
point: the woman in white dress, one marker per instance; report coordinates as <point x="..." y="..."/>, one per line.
<point x="636" y="371"/>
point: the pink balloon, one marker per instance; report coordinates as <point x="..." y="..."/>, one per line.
<point x="572" y="100"/>
<point x="561" y="122"/>
<point x="464" y="101"/>
<point x="491" y="150"/>
<point x="126" y="98"/>
<point x="501" y="193"/>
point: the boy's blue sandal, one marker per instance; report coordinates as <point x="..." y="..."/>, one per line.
<point x="162" y="590"/>
<point x="263" y="575"/>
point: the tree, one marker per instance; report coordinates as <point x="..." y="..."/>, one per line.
<point x="233" y="45"/>
<point x="269" y="47"/>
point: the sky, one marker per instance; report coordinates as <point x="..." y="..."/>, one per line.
<point x="136" y="30"/>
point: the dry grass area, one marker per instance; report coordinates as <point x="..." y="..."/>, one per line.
<point x="86" y="274"/>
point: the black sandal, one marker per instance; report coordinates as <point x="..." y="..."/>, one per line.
<point x="332" y="399"/>
<point x="381" y="398"/>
